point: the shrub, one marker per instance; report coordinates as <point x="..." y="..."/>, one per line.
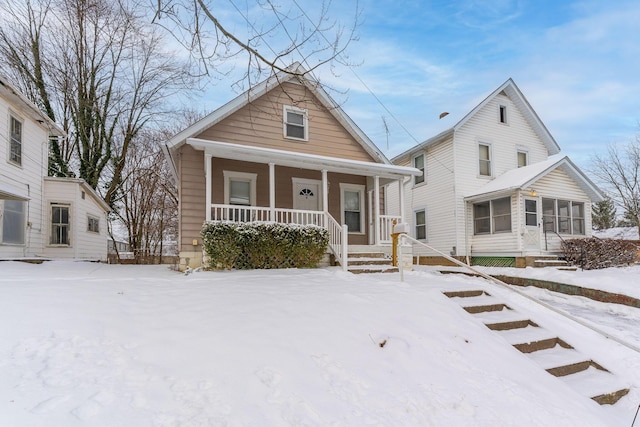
<point x="594" y="253"/>
<point x="263" y="245"/>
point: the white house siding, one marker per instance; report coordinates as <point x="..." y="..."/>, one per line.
<point x="435" y="195"/>
<point x="504" y="139"/>
<point x="26" y="179"/>
<point x="84" y="244"/>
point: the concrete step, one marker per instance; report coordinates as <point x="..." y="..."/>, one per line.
<point x="489" y="307"/>
<point x="465" y="294"/>
<point x="360" y="269"/>
<point x="368" y="261"/>
<point x="596" y="384"/>
<point x="514" y="324"/>
<point x="572" y="368"/>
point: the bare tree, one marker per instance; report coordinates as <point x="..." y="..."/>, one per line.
<point x="619" y="172"/>
<point x="147" y="200"/>
<point x="277" y="35"/>
<point x="97" y="67"/>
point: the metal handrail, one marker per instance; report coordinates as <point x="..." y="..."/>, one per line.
<point x="512" y="289"/>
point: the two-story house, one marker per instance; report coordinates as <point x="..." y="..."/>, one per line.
<point x="283" y="151"/>
<point x="42" y="216"/>
<point x="495" y="187"/>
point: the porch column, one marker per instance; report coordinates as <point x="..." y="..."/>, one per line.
<point x="401" y="197"/>
<point x="376" y="208"/>
<point x="207" y="177"/>
<point x="272" y="191"/>
<point x="325" y="192"/>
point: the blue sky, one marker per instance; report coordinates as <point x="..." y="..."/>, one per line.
<point x="577" y="62"/>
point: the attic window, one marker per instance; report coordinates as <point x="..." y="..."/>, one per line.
<point x="503" y="114"/>
<point x="295" y="123"/>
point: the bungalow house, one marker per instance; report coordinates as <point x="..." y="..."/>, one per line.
<point x="283" y="151"/>
<point x="495" y="187"/>
<point x="42" y="216"/>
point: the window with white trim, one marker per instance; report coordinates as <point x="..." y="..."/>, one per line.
<point x="420" y="221"/>
<point x="93" y="224"/>
<point x="239" y="188"/>
<point x="352" y="196"/>
<point x="12" y="216"/>
<point x="484" y="159"/>
<point x="295" y="123"/>
<point x="492" y="216"/>
<point x="523" y="158"/>
<point x="563" y="216"/>
<point x="60" y="224"/>
<point x="419" y="163"/>
<point x="15" y="147"/>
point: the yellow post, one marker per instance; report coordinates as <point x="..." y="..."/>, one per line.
<point x="394" y="248"/>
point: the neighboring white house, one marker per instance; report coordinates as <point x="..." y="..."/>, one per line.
<point x="495" y="187"/>
<point x="41" y="216"/>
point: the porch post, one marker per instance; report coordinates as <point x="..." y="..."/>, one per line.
<point x="207" y="177"/>
<point x="272" y="191"/>
<point x="376" y="208"/>
<point x="325" y="192"/>
<point x="401" y="198"/>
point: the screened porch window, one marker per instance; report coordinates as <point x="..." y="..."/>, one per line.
<point x="563" y="216"/>
<point x="492" y="216"/>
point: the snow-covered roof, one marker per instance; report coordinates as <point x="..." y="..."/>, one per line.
<point x="13" y="95"/>
<point x="298" y="74"/>
<point x="524" y="177"/>
<point x="511" y="90"/>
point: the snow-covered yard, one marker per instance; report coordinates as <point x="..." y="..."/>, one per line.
<point x="108" y="345"/>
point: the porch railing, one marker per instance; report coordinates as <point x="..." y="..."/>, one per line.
<point x="338" y="236"/>
<point x="386" y="226"/>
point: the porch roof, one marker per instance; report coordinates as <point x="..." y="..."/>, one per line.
<point x="300" y="160"/>
<point x="524" y="177"/>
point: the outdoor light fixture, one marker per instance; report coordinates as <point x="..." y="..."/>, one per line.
<point x="533" y="193"/>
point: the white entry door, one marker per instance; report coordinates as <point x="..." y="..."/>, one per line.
<point x="307" y="194"/>
<point x="531" y="237"/>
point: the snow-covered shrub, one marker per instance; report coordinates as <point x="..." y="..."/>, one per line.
<point x="263" y="245"/>
<point x="594" y="253"/>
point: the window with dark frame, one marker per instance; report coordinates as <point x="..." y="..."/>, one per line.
<point x="60" y="224"/>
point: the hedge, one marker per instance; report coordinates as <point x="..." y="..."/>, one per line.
<point x="263" y="245"/>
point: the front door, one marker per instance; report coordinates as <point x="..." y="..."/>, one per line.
<point x="306" y="194"/>
<point x="531" y="237"/>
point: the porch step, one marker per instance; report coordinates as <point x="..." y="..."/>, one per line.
<point x="369" y="262"/>
<point x="544" y="347"/>
<point x="552" y="261"/>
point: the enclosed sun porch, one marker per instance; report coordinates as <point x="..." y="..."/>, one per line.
<point x="346" y="197"/>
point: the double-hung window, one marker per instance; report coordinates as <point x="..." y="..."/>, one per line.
<point x="296" y="123"/>
<point x="421" y="224"/>
<point x="419" y="163"/>
<point x="523" y="158"/>
<point x="484" y="159"/>
<point x="60" y="224"/>
<point x="15" y="149"/>
<point x="353" y="207"/>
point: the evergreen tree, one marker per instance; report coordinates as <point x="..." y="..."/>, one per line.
<point x="603" y="214"/>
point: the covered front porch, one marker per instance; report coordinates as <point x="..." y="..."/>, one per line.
<point x="346" y="197"/>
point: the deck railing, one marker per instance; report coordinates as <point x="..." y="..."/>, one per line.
<point x="338" y="236"/>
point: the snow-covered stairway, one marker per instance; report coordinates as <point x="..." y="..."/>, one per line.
<point x="370" y="262"/>
<point x="548" y="350"/>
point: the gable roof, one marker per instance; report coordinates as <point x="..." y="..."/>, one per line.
<point x="298" y="74"/>
<point x="524" y="177"/>
<point x="81" y="183"/>
<point x="15" y="97"/>
<point x="511" y="90"/>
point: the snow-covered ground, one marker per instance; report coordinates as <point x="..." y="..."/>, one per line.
<point x="107" y="345"/>
<point x="625" y="233"/>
